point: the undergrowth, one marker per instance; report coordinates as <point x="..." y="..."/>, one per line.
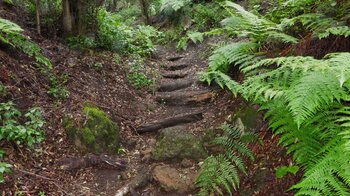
<point x="304" y="99"/>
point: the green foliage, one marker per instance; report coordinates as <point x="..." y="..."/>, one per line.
<point x="305" y="98"/>
<point x="175" y="10"/>
<point x="114" y="35"/>
<point x="222" y="170"/>
<point x="137" y="78"/>
<point x="12" y="129"/>
<point x="284" y="170"/>
<point x="81" y="42"/>
<point x="207" y="16"/>
<point x="57" y="86"/>
<point x="12" y="34"/>
<point x="4" y="168"/>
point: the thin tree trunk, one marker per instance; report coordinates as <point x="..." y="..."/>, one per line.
<point x="145" y="8"/>
<point x="38" y="23"/>
<point x="67" y="17"/>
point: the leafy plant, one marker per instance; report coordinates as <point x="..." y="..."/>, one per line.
<point x="137" y="78"/>
<point x="222" y="170"/>
<point x="12" y="34"/>
<point x="284" y="170"/>
<point x="4" y="168"/>
<point x="11" y="129"/>
<point x="57" y="86"/>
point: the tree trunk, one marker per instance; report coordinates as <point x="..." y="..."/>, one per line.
<point x="145" y="7"/>
<point x="37" y="13"/>
<point x="67" y="17"/>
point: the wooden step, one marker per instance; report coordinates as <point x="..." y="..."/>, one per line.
<point x="176" y="67"/>
<point x="175" y="75"/>
<point x="175" y="85"/>
<point x="184" y="98"/>
<point x="175" y="58"/>
<point x="170" y="122"/>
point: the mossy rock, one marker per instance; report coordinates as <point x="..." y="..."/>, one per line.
<point x="249" y="117"/>
<point x="97" y="134"/>
<point x="176" y="143"/>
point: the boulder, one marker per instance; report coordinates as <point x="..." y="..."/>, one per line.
<point x="96" y="134"/>
<point x="171" y="180"/>
<point x="176" y="143"/>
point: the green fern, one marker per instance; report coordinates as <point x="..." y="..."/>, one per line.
<point x="11" y="34"/>
<point x="222" y="170"/>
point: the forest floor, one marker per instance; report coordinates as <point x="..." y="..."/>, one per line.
<point x="38" y="170"/>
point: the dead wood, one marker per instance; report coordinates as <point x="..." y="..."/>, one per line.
<point x="174" y="75"/>
<point x="175" y="85"/>
<point x="90" y="161"/>
<point x="175" y="58"/>
<point x="169" y="122"/>
<point x="176" y="67"/>
<point x="140" y="180"/>
<point x="184" y="98"/>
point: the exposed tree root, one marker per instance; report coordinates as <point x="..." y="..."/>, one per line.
<point x="184" y="98"/>
<point x="169" y="122"/>
<point x="90" y="161"/>
<point x="140" y="180"/>
<point x="176" y="67"/>
<point x="175" y="85"/>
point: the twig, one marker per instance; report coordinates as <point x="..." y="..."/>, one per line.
<point x="42" y="177"/>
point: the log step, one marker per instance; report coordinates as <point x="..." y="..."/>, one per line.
<point x="175" y="85"/>
<point x="170" y="122"/>
<point x="176" y="67"/>
<point x="184" y="98"/>
<point x="174" y="75"/>
<point x="174" y="58"/>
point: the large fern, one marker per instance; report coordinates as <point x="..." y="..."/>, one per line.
<point x="12" y="34"/>
<point x="222" y="171"/>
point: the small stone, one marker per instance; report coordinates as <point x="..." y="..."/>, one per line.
<point x="123" y="176"/>
<point x="186" y="163"/>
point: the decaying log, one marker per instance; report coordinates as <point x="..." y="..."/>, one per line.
<point x="90" y="161"/>
<point x="175" y="58"/>
<point x="174" y="75"/>
<point x="176" y="67"/>
<point x="140" y="180"/>
<point x="184" y="98"/>
<point x="175" y="85"/>
<point x="169" y="122"/>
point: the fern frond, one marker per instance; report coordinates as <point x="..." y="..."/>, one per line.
<point x="338" y="31"/>
<point x="312" y="93"/>
<point x="215" y="172"/>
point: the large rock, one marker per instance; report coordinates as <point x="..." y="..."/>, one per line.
<point x="96" y="134"/>
<point x="171" y="180"/>
<point x="176" y="143"/>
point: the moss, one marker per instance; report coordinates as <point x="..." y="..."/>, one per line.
<point x="250" y="118"/>
<point x="178" y="144"/>
<point x="97" y="134"/>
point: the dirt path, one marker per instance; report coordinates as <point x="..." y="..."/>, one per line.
<point x="180" y="101"/>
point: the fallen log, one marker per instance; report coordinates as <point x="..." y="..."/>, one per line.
<point x="176" y="67"/>
<point x="175" y="75"/>
<point x="169" y="122"/>
<point x="90" y="161"/>
<point x="175" y="85"/>
<point x="184" y="98"/>
<point x="140" y="180"/>
<point x="174" y="58"/>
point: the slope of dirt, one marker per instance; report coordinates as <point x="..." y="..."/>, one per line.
<point x="39" y="170"/>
